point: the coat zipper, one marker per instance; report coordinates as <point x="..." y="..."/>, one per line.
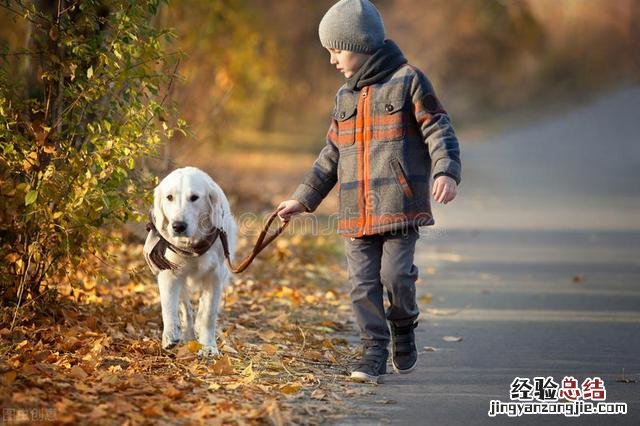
<point x="365" y="156"/>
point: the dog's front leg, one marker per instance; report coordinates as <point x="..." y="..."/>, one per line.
<point x="207" y="317"/>
<point x="170" y="290"/>
<point x="186" y="316"/>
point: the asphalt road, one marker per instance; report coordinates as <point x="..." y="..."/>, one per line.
<point x="536" y="267"/>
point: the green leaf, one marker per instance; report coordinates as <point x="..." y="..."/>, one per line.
<point x="31" y="197"/>
<point x="90" y="72"/>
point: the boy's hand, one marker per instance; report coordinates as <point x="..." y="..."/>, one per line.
<point x="445" y="189"/>
<point x="288" y="208"/>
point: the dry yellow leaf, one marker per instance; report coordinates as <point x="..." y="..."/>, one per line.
<point x="268" y="335"/>
<point x="426" y="298"/>
<point x="194" y="346"/>
<point x="172" y="392"/>
<point x="290" y="388"/>
<point x="269" y="348"/>
<point x="222" y="366"/>
<point x="49" y="149"/>
<point x="78" y="372"/>
<point x="330" y="295"/>
<point x="311" y="299"/>
<point x="9" y="377"/>
<point x="152" y="410"/>
<point x="12" y="257"/>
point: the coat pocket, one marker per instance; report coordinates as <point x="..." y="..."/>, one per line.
<point x="390" y="120"/>
<point x="401" y="178"/>
<point x="345" y="116"/>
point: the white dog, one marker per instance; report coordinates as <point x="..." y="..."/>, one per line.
<point x="190" y="214"/>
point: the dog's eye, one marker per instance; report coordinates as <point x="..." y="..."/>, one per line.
<point x="193" y="198"/>
<point x="170" y="197"/>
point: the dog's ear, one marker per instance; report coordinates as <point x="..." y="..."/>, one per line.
<point x="160" y="219"/>
<point x="216" y="212"/>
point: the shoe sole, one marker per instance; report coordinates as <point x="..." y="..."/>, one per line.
<point x="407" y="371"/>
<point x="360" y="377"/>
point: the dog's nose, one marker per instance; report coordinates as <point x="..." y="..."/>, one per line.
<point x="179" y="227"/>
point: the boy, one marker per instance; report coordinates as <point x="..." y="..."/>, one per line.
<point x="388" y="136"/>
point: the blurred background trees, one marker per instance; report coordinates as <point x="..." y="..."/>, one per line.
<point x="257" y="65"/>
<point x="485" y="57"/>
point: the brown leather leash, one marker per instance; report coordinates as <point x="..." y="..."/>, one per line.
<point x="260" y="244"/>
<point x="158" y="258"/>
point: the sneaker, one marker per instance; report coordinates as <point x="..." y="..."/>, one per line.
<point x="371" y="366"/>
<point x="405" y="355"/>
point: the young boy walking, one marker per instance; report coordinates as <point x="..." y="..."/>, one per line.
<point x="388" y="137"/>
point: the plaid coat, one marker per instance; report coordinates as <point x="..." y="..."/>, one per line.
<point x="384" y="143"/>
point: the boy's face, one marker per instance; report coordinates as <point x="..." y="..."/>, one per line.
<point x="347" y="62"/>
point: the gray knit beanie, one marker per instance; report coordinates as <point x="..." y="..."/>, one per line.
<point x="354" y="25"/>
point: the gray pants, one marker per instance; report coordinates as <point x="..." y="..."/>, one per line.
<point x="376" y="263"/>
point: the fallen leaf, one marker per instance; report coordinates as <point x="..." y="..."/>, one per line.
<point x="268" y="335"/>
<point x="78" y="372"/>
<point x="269" y="348"/>
<point x="8" y="378"/>
<point x="318" y="394"/>
<point x="153" y="411"/>
<point x="429" y="349"/>
<point x="194" y="346"/>
<point x="222" y="366"/>
<point x="184" y="353"/>
<point x="452" y="338"/>
<point x="290" y="388"/>
<point x="426" y="298"/>
<point x="110" y="379"/>
<point x="172" y="392"/>
<point x="579" y="278"/>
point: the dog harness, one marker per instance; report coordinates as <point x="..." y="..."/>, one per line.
<point x="156" y="246"/>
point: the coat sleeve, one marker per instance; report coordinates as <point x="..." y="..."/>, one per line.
<point x="323" y="176"/>
<point x="436" y="129"/>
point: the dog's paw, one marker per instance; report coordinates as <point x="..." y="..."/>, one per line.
<point x="208" y="352"/>
<point x="170" y="341"/>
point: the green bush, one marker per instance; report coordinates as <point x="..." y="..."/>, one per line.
<point x="70" y="138"/>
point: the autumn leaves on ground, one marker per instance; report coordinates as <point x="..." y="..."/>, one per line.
<point x="95" y="357"/>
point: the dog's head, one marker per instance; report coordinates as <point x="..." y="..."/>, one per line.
<point x="186" y="205"/>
